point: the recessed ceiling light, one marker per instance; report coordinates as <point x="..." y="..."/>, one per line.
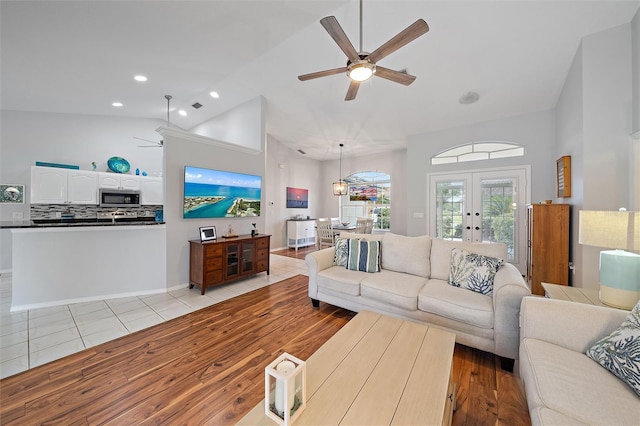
<point x="182" y="113"/>
<point x="214" y="95"/>
<point x="140" y="78"/>
<point x="117" y="104"/>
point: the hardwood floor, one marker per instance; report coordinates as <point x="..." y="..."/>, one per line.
<point x="207" y="367"/>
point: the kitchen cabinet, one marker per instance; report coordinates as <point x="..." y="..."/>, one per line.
<point x="52" y="185"/>
<point x="118" y="181"/>
<point x="547" y="245"/>
<point x="151" y="191"/>
<point x="301" y="233"/>
<point x="221" y="261"/>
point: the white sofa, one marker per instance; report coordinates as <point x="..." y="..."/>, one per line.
<point x="413" y="285"/>
<point x="563" y="385"/>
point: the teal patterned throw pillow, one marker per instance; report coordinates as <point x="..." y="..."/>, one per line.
<point x="619" y="352"/>
<point x="473" y="271"/>
<point x="342" y="247"/>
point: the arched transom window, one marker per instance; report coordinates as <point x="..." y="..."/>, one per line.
<point x="478" y="151"/>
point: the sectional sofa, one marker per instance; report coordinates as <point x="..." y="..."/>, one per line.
<point x="413" y="283"/>
<point x="563" y="385"/>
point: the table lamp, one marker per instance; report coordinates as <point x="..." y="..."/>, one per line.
<point x="619" y="268"/>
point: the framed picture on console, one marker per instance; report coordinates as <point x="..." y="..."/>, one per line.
<point x="208" y="233"/>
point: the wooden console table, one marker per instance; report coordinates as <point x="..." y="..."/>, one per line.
<point x="224" y="260"/>
<point x="377" y="370"/>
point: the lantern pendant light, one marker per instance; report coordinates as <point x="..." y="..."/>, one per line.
<point x="340" y="186"/>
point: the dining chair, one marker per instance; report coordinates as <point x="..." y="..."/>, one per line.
<point x="335" y="221"/>
<point x="324" y="229"/>
<point x="361" y="225"/>
<point x="368" y="226"/>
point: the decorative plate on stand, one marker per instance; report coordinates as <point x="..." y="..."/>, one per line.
<point x="118" y="165"/>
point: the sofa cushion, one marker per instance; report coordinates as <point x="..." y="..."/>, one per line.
<point x="441" y="254"/>
<point x="395" y="288"/>
<point x="342" y="280"/>
<point x="473" y="271"/>
<point x="406" y="254"/>
<point x="440" y="298"/>
<point x="570" y="383"/>
<point x="619" y="352"/>
<point x="342" y="247"/>
<point x="363" y="255"/>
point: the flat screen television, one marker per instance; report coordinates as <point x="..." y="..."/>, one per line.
<point x="216" y="193"/>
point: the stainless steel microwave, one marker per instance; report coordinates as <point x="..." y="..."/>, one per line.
<point x="119" y="198"/>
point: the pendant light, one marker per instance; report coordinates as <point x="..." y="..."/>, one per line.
<point x="340" y="186"/>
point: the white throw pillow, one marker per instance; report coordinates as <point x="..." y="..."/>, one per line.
<point x="473" y="271"/>
<point x="619" y="352"/>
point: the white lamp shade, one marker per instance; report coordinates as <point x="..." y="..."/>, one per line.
<point x="610" y="229"/>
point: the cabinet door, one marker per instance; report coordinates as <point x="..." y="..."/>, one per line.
<point x="248" y="257"/>
<point x="82" y="187"/>
<point x="109" y="180"/>
<point x="232" y="258"/>
<point x="151" y="191"/>
<point x="131" y="182"/>
<point x="48" y="185"/>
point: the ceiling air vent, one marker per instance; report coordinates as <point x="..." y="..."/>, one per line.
<point x="302" y="152"/>
<point x="197" y="105"/>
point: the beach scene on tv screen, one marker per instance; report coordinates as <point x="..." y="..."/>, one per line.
<point x="216" y="193"/>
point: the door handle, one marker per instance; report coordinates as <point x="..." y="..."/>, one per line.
<point x="477" y="228"/>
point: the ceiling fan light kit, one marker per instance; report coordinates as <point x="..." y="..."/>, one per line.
<point x="363" y="65"/>
<point x="361" y="71"/>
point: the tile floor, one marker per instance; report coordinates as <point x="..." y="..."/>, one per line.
<point x="37" y="336"/>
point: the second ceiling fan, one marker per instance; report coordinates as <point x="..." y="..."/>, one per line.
<point x="363" y="65"/>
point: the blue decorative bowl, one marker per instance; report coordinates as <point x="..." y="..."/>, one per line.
<point x="118" y="165"/>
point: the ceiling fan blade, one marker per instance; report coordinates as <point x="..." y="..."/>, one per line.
<point x="395" y="76"/>
<point x="324" y="73"/>
<point x="150" y="141"/>
<point x="404" y="37"/>
<point x="352" y="91"/>
<point x="330" y="23"/>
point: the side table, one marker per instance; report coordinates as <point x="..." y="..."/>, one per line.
<point x="573" y="294"/>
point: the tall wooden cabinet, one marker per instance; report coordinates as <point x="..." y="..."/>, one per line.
<point x="221" y="261"/>
<point x="548" y="227"/>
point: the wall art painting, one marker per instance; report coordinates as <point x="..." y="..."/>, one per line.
<point x="297" y="198"/>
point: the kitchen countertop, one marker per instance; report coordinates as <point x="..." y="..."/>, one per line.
<point x="59" y="223"/>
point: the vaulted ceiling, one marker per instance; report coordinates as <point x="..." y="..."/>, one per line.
<point x="80" y="56"/>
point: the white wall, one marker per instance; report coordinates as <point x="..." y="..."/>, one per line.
<point x="594" y="122"/>
<point x="27" y="137"/>
<point x="240" y="126"/>
<point x="635" y="72"/>
<point x="534" y="131"/>
<point x="286" y="167"/>
<point x="392" y="163"/>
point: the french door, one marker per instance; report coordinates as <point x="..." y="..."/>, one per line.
<point x="482" y="206"/>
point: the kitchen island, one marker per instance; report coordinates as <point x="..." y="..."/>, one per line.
<point x="63" y="263"/>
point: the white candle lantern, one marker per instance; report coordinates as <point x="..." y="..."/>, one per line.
<point x="285" y="394"/>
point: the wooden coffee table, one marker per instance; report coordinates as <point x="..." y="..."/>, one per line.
<point x="377" y="370"/>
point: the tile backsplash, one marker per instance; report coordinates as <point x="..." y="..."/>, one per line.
<point x="48" y="211"/>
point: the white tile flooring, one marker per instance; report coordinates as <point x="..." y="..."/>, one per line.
<point x="35" y="337"/>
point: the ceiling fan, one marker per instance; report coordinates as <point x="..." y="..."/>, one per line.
<point x="363" y="65"/>
<point x="161" y="143"/>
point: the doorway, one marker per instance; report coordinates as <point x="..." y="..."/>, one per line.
<point x="482" y="206"/>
